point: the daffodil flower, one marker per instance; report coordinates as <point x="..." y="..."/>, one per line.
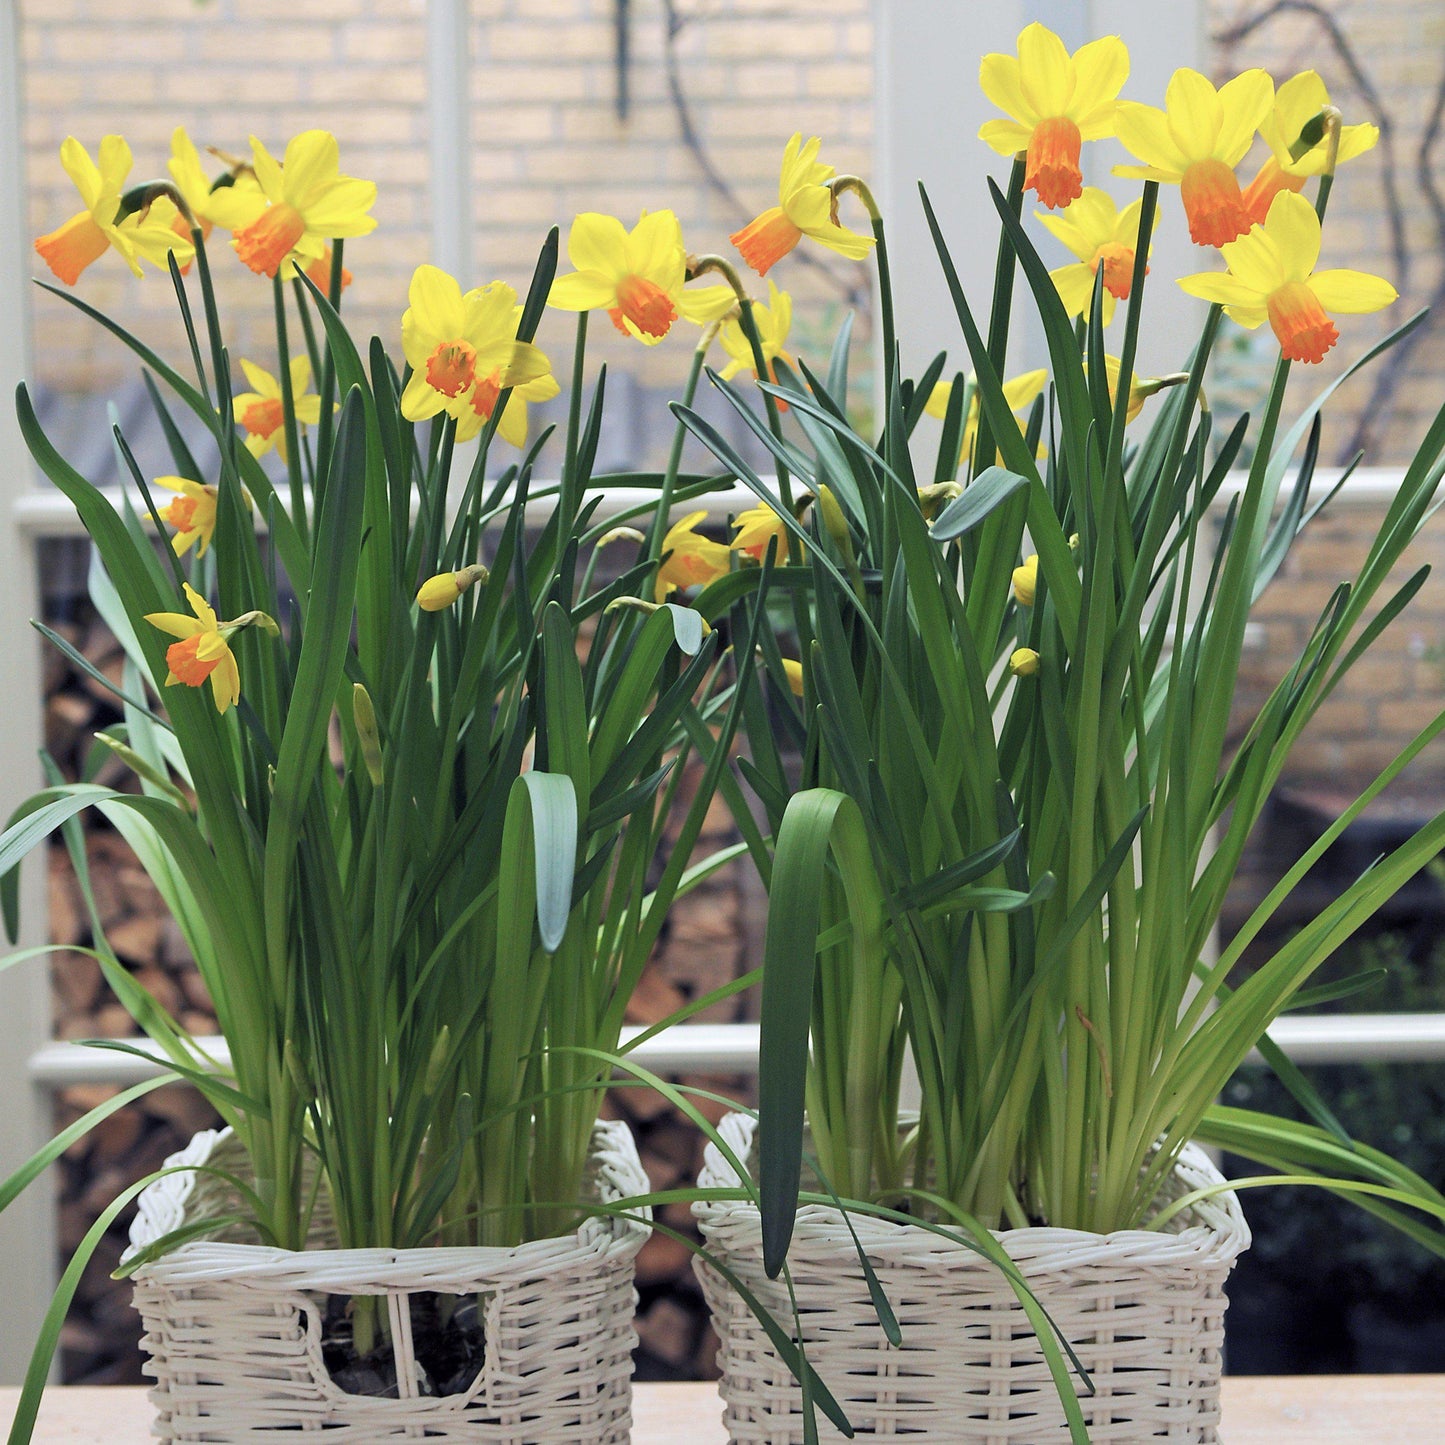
<point x="262" y="412"/>
<point x="1271" y="277"/>
<point x="303" y="202"/>
<point x="1100" y="235"/>
<point x="635" y="276"/>
<point x="192" y="514"/>
<point x="202" y="651"/>
<point x="755" y="528"/>
<point x="1195" y="142"/>
<point x="1019" y="392"/>
<point x="1055" y="101"/>
<point x="464" y="352"/>
<point x="806" y="207"/>
<point x="793" y="671"/>
<point x="1300" y="100"/>
<point x="689" y="560"/>
<point x="773" y="322"/>
<point x="1023" y="662"/>
<point x="87" y="235"/>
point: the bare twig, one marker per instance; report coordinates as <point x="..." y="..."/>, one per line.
<point x="1377" y="409"/>
<point x="1376" y="412"/>
<point x="1345" y="53"/>
<point x="674" y="23"/>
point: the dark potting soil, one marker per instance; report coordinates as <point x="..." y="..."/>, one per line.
<point x="448" y="1337"/>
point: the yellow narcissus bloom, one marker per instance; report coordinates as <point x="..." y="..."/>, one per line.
<point x="1055" y="101"/>
<point x="1271" y="277"/>
<point x="1195" y="142"/>
<point x="755" y="528"/>
<point x="1023" y="662"/>
<point x="87" y="235"/>
<point x="1099" y="234"/>
<point x="635" y="276"/>
<point x="202" y="651"/>
<point x="1026" y="580"/>
<point x="463" y="352"/>
<point x="1019" y="391"/>
<point x="806" y="207"/>
<point x="262" y="412"/>
<point x="192" y="514"/>
<point x="689" y="560"/>
<point x="1300" y="100"/>
<point x="773" y="321"/>
<point x="793" y="670"/>
<point x="303" y="202"/>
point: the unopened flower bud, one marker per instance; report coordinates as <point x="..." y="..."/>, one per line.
<point x="1026" y="580"/>
<point x="794" y="671"/>
<point x="621" y="534"/>
<point x="367" y="734"/>
<point x="933" y="499"/>
<point x="439" y="592"/>
<point x="1024" y="662"/>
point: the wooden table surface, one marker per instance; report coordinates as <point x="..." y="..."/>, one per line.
<point x="1258" y="1410"/>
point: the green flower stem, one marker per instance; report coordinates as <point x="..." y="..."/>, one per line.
<point x="855" y="184"/>
<point x="775" y="421"/>
<point x="288" y="406"/>
<point x="674" y="458"/>
<point x="568" y="501"/>
<point x="326" y="370"/>
<point x="985" y="452"/>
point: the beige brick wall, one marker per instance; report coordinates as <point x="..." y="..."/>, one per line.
<point x="1399" y="46"/>
<point x="547" y="140"/>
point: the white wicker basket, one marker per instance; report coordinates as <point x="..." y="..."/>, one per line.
<point x="233" y="1330"/>
<point x="1143" y="1310"/>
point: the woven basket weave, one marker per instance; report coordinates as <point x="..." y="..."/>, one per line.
<point x="1143" y="1310"/>
<point x="234" y="1332"/>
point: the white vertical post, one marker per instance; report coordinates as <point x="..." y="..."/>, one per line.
<point x="27" y="1228"/>
<point x="449" y="103"/>
<point x="928" y="110"/>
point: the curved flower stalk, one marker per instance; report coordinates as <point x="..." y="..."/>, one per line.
<point x="807" y="206"/>
<point x="1272" y="277"/>
<point x="635" y="276"/>
<point x="1054" y="102"/>
<point x="1195" y="142"/>
<point x="105" y="223"/>
<point x="1300" y="105"/>
<point x="1103" y="238"/>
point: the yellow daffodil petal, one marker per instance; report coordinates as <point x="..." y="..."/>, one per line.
<point x="998" y="78"/>
<point x="596" y="243"/>
<point x="1045" y="75"/>
<point x="174" y="624"/>
<point x="1007" y="137"/>
<point x="582" y="291"/>
<point x="1352" y="293"/>
<point x="262" y="382"/>
<point x="1100" y="69"/>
